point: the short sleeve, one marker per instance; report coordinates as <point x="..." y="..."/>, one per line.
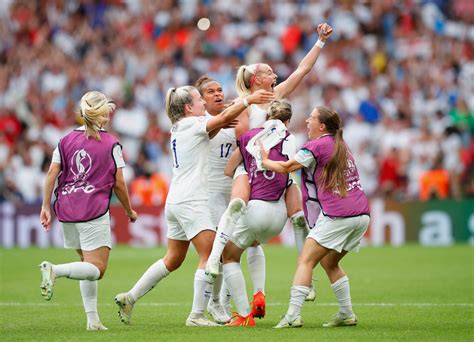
<point x="118" y="156"/>
<point x="305" y="158"/>
<point x="289" y="146"/>
<point x="200" y="125"/>
<point x="56" y="156"/>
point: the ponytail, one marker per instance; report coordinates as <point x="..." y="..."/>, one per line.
<point x="176" y="99"/>
<point x="333" y="176"/>
<point x="95" y="108"/>
<point x="245" y="78"/>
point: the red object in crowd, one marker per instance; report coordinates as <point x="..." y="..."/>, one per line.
<point x="290" y="39"/>
<point x="11" y="128"/>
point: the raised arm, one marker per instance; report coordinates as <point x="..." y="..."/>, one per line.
<point x="278" y="166"/>
<point x="45" y="216"/>
<point x="232" y="112"/>
<point x="286" y="87"/>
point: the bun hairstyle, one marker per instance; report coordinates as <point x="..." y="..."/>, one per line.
<point x="95" y="108"/>
<point x="245" y="78"/>
<point x="176" y="99"/>
<point x="201" y="82"/>
<point x="279" y="110"/>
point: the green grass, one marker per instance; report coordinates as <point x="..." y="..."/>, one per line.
<point x="428" y="292"/>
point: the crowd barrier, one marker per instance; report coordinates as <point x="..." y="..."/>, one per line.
<point x="432" y="223"/>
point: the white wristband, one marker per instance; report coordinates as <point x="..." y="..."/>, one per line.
<point x="320" y="43"/>
<point x="245" y="102"/>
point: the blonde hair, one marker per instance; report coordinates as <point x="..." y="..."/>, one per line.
<point x="333" y="176"/>
<point x="94" y="108"/>
<point x="176" y="99"/>
<point x="243" y="79"/>
<point x="279" y="110"/>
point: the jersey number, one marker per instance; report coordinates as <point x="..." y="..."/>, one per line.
<point x="175" y="155"/>
<point x="224" y="153"/>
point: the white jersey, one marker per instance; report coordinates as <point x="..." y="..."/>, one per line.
<point x="220" y="150"/>
<point x="257" y="116"/>
<point x="189" y="147"/>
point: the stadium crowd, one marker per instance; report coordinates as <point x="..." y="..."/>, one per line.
<point x="401" y="73"/>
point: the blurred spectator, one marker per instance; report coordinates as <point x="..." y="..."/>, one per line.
<point x="399" y="73"/>
<point x="434" y="183"/>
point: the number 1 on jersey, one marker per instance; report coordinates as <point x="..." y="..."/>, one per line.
<point x="175" y="155"/>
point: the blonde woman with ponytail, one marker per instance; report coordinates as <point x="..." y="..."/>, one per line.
<point x="87" y="165"/>
<point x="330" y="181"/>
<point x="249" y="79"/>
<point x="187" y="210"/>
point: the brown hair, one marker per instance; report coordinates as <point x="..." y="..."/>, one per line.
<point x="201" y="82"/>
<point x="94" y="108"/>
<point x="279" y="110"/>
<point x="333" y="175"/>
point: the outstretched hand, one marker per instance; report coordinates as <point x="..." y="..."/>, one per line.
<point x="232" y="124"/>
<point x="261" y="96"/>
<point x="324" y="31"/>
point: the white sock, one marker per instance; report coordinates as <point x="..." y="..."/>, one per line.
<point x="343" y="294"/>
<point x="256" y="267"/>
<point x="217" y="287"/>
<point x="148" y="280"/>
<point x="298" y="294"/>
<point x="202" y="292"/>
<point x="226" y="226"/>
<point x="234" y="279"/>
<point x="300" y="228"/>
<point x="77" y="270"/>
<point x="225" y="296"/>
<point x="89" y="299"/>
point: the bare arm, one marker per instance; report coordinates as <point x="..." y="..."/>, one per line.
<point x="120" y="189"/>
<point x="286" y="88"/>
<point x="281" y="166"/>
<point x="233" y="111"/>
<point x="234" y="161"/>
<point x="278" y="166"/>
<point x="45" y="216"/>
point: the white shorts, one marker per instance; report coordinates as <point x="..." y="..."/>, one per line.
<point x="186" y="220"/>
<point x="340" y="234"/>
<point x="218" y="202"/>
<point x="89" y="235"/>
<point x="240" y="170"/>
<point x="261" y="221"/>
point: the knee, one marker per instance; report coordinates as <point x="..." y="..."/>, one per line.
<point x="329" y="266"/>
<point x="236" y="205"/>
<point x="172" y="263"/>
<point x="101" y="266"/>
<point x="306" y="261"/>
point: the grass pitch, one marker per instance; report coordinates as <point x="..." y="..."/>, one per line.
<point x="409" y="293"/>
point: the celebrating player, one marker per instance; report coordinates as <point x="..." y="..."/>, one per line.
<point x="88" y="165"/>
<point x="187" y="211"/>
<point x="330" y="179"/>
